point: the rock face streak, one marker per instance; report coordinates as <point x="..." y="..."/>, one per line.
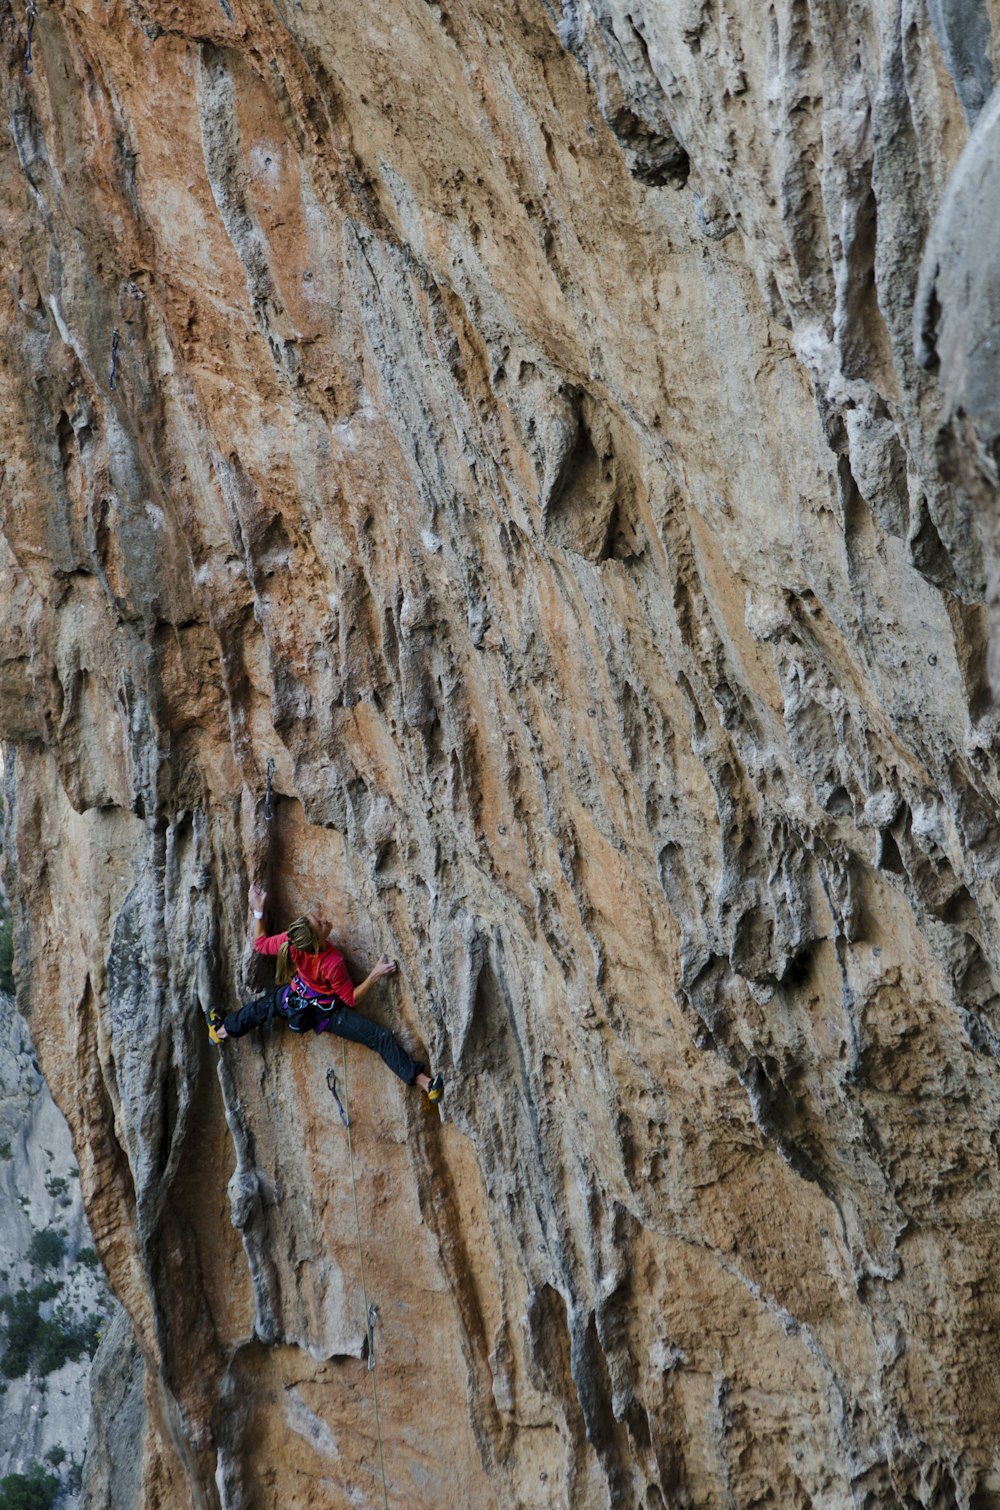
<point x="564" y="442"/>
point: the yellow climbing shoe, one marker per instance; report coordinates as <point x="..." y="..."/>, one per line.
<point x="215" y="1021"/>
<point x="436" y="1088"/>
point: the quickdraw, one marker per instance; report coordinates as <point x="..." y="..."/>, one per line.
<point x="268" y="805"/>
<point x="31" y="14"/>
<point x="331" y="1081"/>
<point x="372" y="1319"/>
<point x="115" y="339"/>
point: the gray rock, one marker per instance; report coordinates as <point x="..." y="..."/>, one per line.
<point x="40" y="1201"/>
<point x="112" y="1470"/>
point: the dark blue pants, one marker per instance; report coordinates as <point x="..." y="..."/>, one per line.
<point x="254" y="1014"/>
<point x="345" y="1022"/>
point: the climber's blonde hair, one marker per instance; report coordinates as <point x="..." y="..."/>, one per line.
<point x="301" y="936"/>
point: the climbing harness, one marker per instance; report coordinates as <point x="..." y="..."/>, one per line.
<point x="371" y="1311"/>
<point x="268" y="806"/>
<point x="115" y="339"/>
<point x="331" y="1080"/>
<point x="32" y="12"/>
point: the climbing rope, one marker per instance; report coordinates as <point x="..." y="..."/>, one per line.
<point x="32" y="12"/>
<point x="371" y="1312"/>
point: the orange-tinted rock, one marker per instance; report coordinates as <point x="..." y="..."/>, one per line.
<point x="517" y="437"/>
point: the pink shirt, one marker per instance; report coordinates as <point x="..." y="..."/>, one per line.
<point x="325" y="972"/>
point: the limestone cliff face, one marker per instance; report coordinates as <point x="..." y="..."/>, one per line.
<point x="563" y="441"/>
<point x="48" y="1272"/>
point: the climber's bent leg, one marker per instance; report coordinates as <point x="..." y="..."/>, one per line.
<point x="254" y="1014"/>
<point x="350" y="1024"/>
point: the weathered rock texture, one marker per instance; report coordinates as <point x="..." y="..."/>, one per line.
<point x="532" y="430"/>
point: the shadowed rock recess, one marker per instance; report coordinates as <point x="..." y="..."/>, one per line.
<point x="564" y="440"/>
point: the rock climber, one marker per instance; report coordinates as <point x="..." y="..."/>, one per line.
<point x="314" y="990"/>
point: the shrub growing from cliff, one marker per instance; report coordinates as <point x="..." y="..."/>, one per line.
<point x="44" y="1344"/>
<point x="21" y="1322"/>
<point x="6" y="949"/>
<point x="48" y="1248"/>
<point x="36" y="1490"/>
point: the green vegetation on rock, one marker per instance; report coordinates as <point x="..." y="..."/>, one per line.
<point x="56" y="1186"/>
<point x="6" y="949"/>
<point x="48" y="1248"/>
<point x="42" y="1344"/>
<point x="36" y="1490"/>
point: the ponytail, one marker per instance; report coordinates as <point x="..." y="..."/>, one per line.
<point x="301" y="936"/>
<point x="283" y="966"/>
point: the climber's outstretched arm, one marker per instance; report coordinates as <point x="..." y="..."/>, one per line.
<point x="242" y="1021"/>
<point x="385" y="966"/>
<point x="258" y="902"/>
